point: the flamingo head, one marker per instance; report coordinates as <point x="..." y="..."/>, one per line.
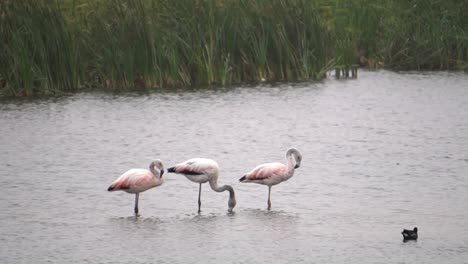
<point x="231" y="205"/>
<point x="159" y="166"/>
<point x="296" y="155"/>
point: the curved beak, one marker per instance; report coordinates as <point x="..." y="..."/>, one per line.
<point x="297" y="166"/>
<point x="161" y="173"/>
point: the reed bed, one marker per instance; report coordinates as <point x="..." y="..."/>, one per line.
<point x="51" y="46"/>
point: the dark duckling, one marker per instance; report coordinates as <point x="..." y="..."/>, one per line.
<point x="410" y="234"/>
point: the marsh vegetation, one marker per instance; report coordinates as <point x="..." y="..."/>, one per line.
<point x="49" y="47"/>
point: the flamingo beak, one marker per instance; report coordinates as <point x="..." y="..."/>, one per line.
<point x="161" y="173"/>
<point x="297" y="166"/>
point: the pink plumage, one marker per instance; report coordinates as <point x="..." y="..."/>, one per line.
<point x="268" y="170"/>
<point x="135" y="181"/>
<point x="196" y="166"/>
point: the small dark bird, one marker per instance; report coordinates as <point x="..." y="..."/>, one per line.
<point x="410" y="234"/>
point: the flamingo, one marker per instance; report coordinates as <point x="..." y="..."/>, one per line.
<point x="139" y="180"/>
<point x="201" y="170"/>
<point x="273" y="173"/>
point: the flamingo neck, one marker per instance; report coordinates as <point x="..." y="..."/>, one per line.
<point x="232" y="195"/>
<point x="155" y="172"/>
<point x="216" y="188"/>
<point x="291" y="164"/>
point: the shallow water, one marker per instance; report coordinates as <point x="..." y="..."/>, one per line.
<point x="381" y="153"/>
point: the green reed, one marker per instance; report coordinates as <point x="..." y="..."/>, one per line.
<point x="38" y="50"/>
<point x="51" y="46"/>
<point x="409" y="35"/>
<point x="427" y="35"/>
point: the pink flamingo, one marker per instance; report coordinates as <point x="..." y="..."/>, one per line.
<point x="273" y="173"/>
<point x="202" y="170"/>
<point x="139" y="180"/>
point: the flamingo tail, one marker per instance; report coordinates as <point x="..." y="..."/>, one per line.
<point x="114" y="188"/>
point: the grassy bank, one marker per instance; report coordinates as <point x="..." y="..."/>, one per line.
<point x="53" y="46"/>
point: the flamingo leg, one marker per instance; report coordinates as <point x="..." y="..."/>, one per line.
<point x="199" y="199"/>
<point x="269" y="201"/>
<point x="136" y="203"/>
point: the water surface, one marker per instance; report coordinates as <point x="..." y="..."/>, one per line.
<point x="384" y="152"/>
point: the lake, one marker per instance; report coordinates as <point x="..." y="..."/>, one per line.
<point x="381" y="153"/>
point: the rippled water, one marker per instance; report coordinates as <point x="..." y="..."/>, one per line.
<point x="381" y="153"/>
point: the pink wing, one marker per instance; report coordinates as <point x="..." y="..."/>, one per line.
<point x="132" y="179"/>
<point x="267" y="170"/>
<point x="196" y="166"/>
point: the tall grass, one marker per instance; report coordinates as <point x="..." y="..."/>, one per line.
<point x="51" y="46"/>
<point x="38" y="51"/>
<point x="427" y="35"/>
<point x="409" y="34"/>
<point x="186" y="42"/>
